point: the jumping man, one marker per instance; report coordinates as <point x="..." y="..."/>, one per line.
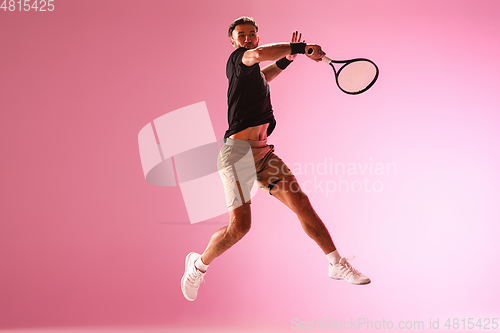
<point x="251" y="121"/>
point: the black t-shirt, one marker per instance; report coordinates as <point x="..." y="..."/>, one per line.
<point x="248" y="98"/>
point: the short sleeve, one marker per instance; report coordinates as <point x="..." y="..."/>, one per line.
<point x="238" y="68"/>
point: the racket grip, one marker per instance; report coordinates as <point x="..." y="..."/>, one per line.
<point x="326" y="59"/>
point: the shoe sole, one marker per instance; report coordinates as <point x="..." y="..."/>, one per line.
<point x="357" y="284"/>
<point x="184" y="276"/>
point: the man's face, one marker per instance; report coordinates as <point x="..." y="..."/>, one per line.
<point x="245" y="35"/>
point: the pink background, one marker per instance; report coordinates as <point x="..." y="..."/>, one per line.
<point x="85" y="241"/>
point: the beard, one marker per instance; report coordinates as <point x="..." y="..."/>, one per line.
<point x="250" y="45"/>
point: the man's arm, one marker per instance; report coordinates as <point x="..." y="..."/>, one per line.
<point x="271" y="52"/>
<point x="268" y="52"/>
<point x="272" y="70"/>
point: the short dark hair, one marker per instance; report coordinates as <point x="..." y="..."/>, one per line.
<point x="241" y="20"/>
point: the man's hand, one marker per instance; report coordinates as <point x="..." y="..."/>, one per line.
<point x="296" y="36"/>
<point x="316" y="54"/>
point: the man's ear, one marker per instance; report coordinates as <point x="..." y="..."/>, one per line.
<point x="231" y="39"/>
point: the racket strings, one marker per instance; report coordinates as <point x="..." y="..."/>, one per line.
<point x="356" y="76"/>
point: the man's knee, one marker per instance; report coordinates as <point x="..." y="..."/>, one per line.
<point x="238" y="229"/>
<point x="240" y="221"/>
<point x="300" y="202"/>
<point x="242" y="229"/>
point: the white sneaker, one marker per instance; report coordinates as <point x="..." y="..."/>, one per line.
<point x="344" y="270"/>
<point x="192" y="277"/>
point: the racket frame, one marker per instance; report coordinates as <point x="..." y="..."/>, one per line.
<point x="345" y="63"/>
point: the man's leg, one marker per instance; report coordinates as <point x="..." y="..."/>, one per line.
<point x="237" y="170"/>
<point x="195" y="265"/>
<point x="235" y="159"/>
<point x="289" y="192"/>
<point x="224" y="238"/>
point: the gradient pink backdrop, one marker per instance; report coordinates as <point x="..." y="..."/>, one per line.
<point x="86" y="242"/>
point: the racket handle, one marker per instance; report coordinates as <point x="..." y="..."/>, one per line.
<point x="324" y="59"/>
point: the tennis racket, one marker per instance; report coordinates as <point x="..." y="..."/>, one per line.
<point x="355" y="76"/>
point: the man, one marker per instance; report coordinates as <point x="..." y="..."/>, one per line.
<point x="251" y="121"/>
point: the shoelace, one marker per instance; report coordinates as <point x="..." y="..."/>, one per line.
<point x="347" y="270"/>
<point x="195" y="277"/>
